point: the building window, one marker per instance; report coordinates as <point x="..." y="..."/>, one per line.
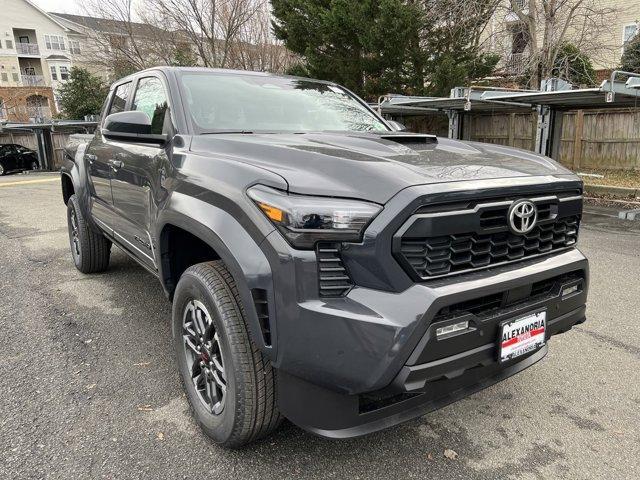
<point x="64" y="73"/>
<point x="15" y="76"/>
<point x="519" y="39"/>
<point x="54" y="42"/>
<point x="4" y="76"/>
<point x="54" y="73"/>
<point x="630" y="31"/>
<point x="38" y="107"/>
<point x="74" y="46"/>
<point x="9" y="44"/>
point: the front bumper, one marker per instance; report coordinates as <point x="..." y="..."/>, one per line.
<point x="350" y="366"/>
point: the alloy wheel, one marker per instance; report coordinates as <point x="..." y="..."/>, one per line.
<point x="75" y="234"/>
<point x="204" y="356"/>
<point x="1" y="169"/>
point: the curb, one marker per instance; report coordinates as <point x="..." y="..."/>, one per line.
<point x="40" y="172"/>
<point x="610" y="190"/>
<point x="629" y="215"/>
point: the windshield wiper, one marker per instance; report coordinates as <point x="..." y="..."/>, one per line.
<point x="222" y="132"/>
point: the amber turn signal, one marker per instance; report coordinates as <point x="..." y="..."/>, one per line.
<point x="273" y="213"/>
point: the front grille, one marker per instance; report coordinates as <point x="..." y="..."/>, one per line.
<point x="462" y="252"/>
<point x="463" y="237"/>
<point x="334" y="280"/>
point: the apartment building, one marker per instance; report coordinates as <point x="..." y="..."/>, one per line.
<point x="105" y="39"/>
<point x="36" y="55"/>
<point x="505" y="35"/>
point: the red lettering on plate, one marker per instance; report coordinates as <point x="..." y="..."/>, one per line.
<point x="524" y="336"/>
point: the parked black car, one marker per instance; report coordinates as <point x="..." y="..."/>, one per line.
<point x="322" y="266"/>
<point x="16" y="158"/>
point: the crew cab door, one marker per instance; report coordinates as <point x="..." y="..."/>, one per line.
<point x="137" y="178"/>
<point x="100" y="160"/>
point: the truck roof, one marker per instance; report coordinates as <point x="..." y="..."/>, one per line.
<point x="227" y="71"/>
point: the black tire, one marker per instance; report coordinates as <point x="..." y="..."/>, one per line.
<point x="34" y="165"/>
<point x="247" y="409"/>
<point x="90" y="249"/>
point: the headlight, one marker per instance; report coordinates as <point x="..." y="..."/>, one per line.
<point x="304" y="220"/>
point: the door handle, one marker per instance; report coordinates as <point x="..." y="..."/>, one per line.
<point x="91" y="158"/>
<point x="116" y="164"/>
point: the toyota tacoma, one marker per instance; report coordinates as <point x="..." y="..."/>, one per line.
<point x="324" y="266"/>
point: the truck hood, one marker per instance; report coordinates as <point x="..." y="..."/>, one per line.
<point x="370" y="166"/>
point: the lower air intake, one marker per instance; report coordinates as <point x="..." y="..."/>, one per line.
<point x="334" y="280"/>
<point x="262" y="310"/>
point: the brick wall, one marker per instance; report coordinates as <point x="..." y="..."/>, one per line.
<point x="16" y="108"/>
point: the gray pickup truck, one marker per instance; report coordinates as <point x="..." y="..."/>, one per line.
<point x="323" y="266"/>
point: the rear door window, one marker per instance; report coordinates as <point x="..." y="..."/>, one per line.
<point x="120" y="97"/>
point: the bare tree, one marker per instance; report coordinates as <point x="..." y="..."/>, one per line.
<point x="539" y="31"/>
<point x="255" y="47"/>
<point x="210" y="33"/>
<point x="118" y="42"/>
<point x="211" y="27"/>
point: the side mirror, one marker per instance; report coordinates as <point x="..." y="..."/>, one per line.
<point x="133" y="126"/>
<point x="397" y="126"/>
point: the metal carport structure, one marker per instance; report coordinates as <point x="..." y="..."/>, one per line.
<point x="555" y="98"/>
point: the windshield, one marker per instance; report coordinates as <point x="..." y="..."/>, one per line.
<point x="221" y="102"/>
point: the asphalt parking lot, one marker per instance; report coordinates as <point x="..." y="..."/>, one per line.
<point x="88" y="387"/>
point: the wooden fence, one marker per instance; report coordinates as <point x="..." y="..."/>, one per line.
<point x="591" y="139"/>
<point x="28" y="140"/>
<point x="601" y="139"/>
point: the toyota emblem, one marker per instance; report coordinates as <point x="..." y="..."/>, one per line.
<point x="523" y="216"/>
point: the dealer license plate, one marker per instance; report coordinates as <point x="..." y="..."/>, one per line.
<point x="522" y="335"/>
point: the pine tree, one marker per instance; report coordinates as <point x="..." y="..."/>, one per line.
<point x="374" y="47"/>
<point x="631" y="57"/>
<point x="82" y="95"/>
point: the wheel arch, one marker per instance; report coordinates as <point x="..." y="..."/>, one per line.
<point x="229" y="242"/>
<point x="68" y="188"/>
<point x="75" y="181"/>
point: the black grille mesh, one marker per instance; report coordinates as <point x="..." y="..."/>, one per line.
<point x="436" y="256"/>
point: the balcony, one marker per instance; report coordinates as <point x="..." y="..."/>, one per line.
<point x="516" y="63"/>
<point x="38" y="114"/>
<point x="33" y="80"/>
<point x="28" y="49"/>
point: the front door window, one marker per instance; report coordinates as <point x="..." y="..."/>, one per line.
<point x="151" y="99"/>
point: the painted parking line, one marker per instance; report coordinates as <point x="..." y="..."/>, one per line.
<point x="27" y="182"/>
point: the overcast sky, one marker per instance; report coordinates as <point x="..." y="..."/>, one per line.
<point x="64" y="6"/>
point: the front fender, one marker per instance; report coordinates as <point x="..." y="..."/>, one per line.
<point x="236" y="248"/>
